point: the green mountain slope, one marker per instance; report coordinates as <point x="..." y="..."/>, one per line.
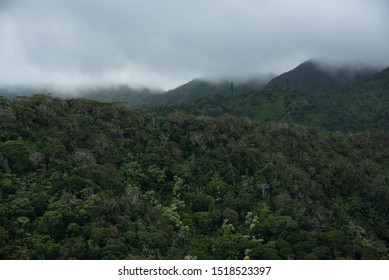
<point x="144" y="97"/>
<point x="362" y="106"/>
<point x="199" y="88"/>
<point x="309" y="77"/>
<point x="80" y="179"/>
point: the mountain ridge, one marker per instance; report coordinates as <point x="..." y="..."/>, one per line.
<point x="363" y="105"/>
<point x="200" y="87"/>
<point x="312" y="77"/>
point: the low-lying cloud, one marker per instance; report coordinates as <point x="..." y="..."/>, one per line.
<point x="165" y="43"/>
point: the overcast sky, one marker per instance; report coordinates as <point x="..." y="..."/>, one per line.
<point x="164" y="43"/>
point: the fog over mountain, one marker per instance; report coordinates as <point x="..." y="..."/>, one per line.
<point x="167" y="43"/>
<point x="315" y="76"/>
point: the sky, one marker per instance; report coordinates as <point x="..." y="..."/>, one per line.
<point x="165" y="43"/>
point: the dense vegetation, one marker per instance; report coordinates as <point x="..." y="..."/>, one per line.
<point x="81" y="179"/>
<point x="364" y="105"/>
<point x="200" y="88"/>
<point x="312" y="77"/>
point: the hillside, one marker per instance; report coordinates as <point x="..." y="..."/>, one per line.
<point x="363" y="105"/>
<point x="113" y="93"/>
<point x="310" y="77"/>
<point x="80" y="179"/>
<point x="200" y="88"/>
<point x="143" y="97"/>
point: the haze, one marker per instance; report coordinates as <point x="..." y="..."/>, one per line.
<point x="166" y="43"/>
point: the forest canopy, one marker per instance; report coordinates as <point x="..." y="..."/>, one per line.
<point x="81" y="179"/>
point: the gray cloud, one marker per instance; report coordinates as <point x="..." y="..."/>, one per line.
<point x="165" y="43"/>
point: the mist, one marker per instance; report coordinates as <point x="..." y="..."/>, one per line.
<point x="162" y="44"/>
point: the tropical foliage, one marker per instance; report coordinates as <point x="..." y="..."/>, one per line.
<point x="80" y="179"/>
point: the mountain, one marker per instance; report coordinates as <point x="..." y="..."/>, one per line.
<point x="363" y="105"/>
<point x="199" y="88"/>
<point x="145" y="97"/>
<point x="311" y="77"/>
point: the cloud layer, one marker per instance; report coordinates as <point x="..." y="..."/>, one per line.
<point x="165" y="43"/>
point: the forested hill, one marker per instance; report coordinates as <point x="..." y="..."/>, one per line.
<point x="364" y="105"/>
<point x="81" y="179"/>
<point x="200" y="88"/>
<point x="311" y="77"/>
